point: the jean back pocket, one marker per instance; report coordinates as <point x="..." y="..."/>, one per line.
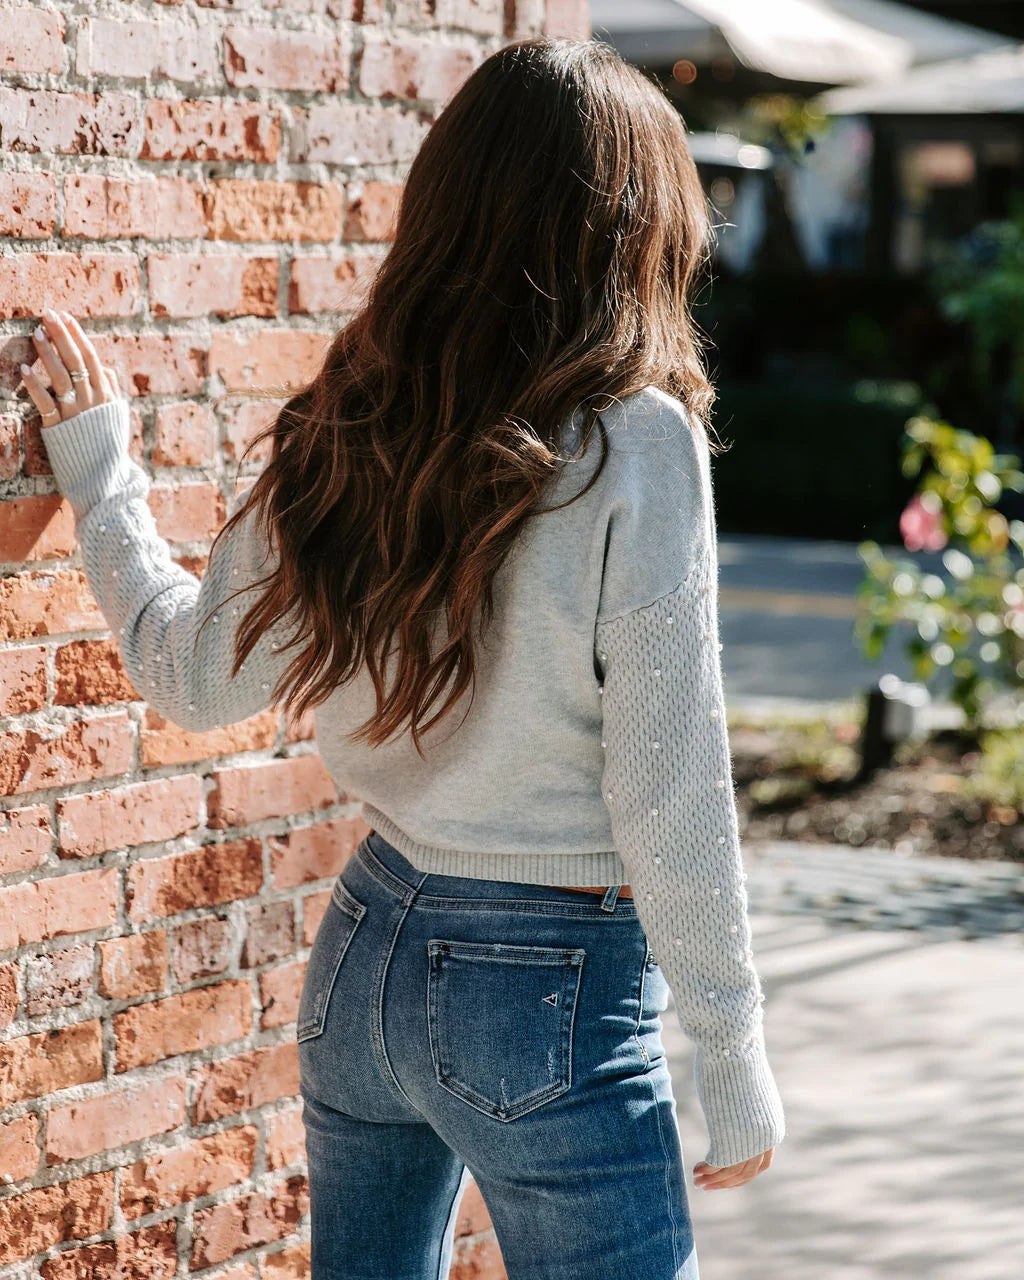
<point x="501" y="1021"/>
<point x="329" y="946"/>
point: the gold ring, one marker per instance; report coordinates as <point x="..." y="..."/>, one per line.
<point x="79" y="375"/>
<point x="50" y="412"/>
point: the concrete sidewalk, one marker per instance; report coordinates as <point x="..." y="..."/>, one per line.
<point x="898" y="1044"/>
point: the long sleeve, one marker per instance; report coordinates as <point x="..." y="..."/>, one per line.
<point x="667" y="783"/>
<point x="153" y="605"/>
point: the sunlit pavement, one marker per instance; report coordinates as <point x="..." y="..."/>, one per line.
<point x="897" y="1041"/>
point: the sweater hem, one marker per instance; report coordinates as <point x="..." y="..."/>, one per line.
<point x="587" y="868"/>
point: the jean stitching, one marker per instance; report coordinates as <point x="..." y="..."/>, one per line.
<point x="383" y="966"/>
<point x="640" y="1012"/>
<point x="668" y="1174"/>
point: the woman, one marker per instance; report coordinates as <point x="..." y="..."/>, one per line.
<point x="499" y="479"/>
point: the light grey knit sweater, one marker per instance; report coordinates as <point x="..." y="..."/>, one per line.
<point x="595" y="751"/>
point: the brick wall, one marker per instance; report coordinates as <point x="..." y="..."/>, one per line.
<point x="206" y="184"/>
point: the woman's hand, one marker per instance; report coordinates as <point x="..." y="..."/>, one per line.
<point x="733" y="1175"/>
<point x="79" y="381"/>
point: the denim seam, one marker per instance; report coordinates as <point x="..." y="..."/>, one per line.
<point x="640" y="1012"/>
<point x="383" y="967"/>
<point x="668" y="1173"/>
<point x="531" y="906"/>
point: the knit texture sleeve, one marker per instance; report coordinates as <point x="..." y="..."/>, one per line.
<point x="667" y="784"/>
<point x="154" y="606"/>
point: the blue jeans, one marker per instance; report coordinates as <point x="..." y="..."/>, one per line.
<point x="513" y="1031"/>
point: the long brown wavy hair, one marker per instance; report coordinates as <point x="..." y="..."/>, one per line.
<point x="550" y="231"/>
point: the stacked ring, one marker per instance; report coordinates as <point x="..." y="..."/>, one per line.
<point x="79" y="375"/>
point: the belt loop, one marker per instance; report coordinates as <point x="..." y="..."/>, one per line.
<point x="608" y="902"/>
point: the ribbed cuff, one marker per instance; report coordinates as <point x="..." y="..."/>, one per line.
<point x="89" y="454"/>
<point x="741" y="1104"/>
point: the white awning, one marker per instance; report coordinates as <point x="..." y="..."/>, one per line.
<point x="822" y="41"/>
<point x="989" y="82"/>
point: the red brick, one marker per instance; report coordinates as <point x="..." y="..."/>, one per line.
<point x="357" y="133"/>
<point x="372" y="211"/>
<point x="286" y="1138"/>
<point x="477" y="1258"/>
<point x="219" y="284"/>
<point x="331" y="284"/>
<point x="44" y="1216"/>
<point x="133" y="966"/>
<point x="25" y="838"/>
<point x="153" y="363"/>
<point x="40" y="527"/>
<point x="58" y="979"/>
<point x="91" y="673"/>
<point x="195" y="1019"/>
<point x="249" y="1080"/>
<point x="483" y="16"/>
<point x="95" y="748"/>
<point x="101" y="124"/>
<point x="184" y="1173"/>
<point x="314" y="906"/>
<point x="8" y="994"/>
<point x="275" y="789"/>
<point x="10" y="424"/>
<point x="266" y="357"/>
<point x="76" y="903"/>
<point x="242" y="422"/>
<point x="162" y="742"/>
<point x="28" y="204"/>
<point x="46" y="604"/>
<point x="216" y="873"/>
<point x="150" y="1254"/>
<point x="139" y="50"/>
<point x="280" y="988"/>
<point x="200" y="948"/>
<point x="31" y="39"/>
<point x="413" y="68"/>
<point x="473" y="1216"/>
<point x="188" y="513"/>
<point x="19" y="1147"/>
<point x="223" y="1230"/>
<point x="126" y="816"/>
<point x="22" y="679"/>
<point x="569" y="18"/>
<point x="88" y="284"/>
<point x="35" y="1065"/>
<point x="261" y="209"/>
<point x="102" y="207"/>
<point x="194" y="129"/>
<point x="110" y="1120"/>
<point x="258" y="57"/>
<point x="270" y="933"/>
<point x="186" y="435"/>
<point x="313" y="853"/>
<point x="287" y="1264"/>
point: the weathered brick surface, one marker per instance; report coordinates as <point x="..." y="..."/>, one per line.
<point x="188" y="180"/>
<point x="125" y="816"/>
<point x="109" y="1120"/>
<point x="196" y="1168"/>
<point x="270" y="790"/>
<point x="195" y="1019"/>
<point x="25" y="838"/>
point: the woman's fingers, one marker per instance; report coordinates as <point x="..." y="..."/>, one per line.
<point x="103" y="380"/>
<point x="72" y="359"/>
<point x="41" y="398"/>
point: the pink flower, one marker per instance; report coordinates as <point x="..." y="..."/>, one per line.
<point x="921" y="523"/>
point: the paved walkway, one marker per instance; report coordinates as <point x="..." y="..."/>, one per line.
<point x="894" y="1021"/>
